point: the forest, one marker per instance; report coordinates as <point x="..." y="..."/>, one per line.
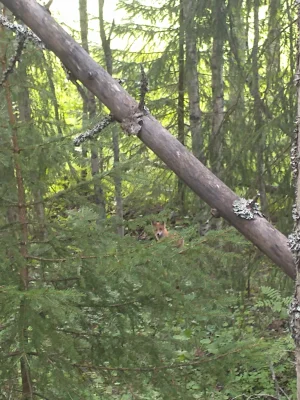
<point x="120" y="279"/>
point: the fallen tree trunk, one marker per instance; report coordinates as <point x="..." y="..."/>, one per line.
<point x="206" y="185"/>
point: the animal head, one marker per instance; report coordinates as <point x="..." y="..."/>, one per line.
<point x="160" y="230"/>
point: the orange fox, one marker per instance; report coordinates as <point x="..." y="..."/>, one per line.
<point x="160" y="232"/>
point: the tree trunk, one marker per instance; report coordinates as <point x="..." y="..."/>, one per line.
<point x="84" y="43"/>
<point x="294" y="242"/>
<point x="274" y="36"/>
<point x="23" y="234"/>
<point x="115" y="134"/>
<point x="289" y="112"/>
<point x="237" y="35"/>
<point x="217" y="61"/>
<point x="89" y="112"/>
<point x="202" y="181"/>
<point x="258" y="120"/>
<point x="118" y="182"/>
<point x="192" y="80"/>
<point x="25" y="115"/>
<point x="190" y="8"/>
<point x="180" y="105"/>
<point x="49" y="72"/>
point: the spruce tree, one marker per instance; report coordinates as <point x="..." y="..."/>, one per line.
<point x="87" y="313"/>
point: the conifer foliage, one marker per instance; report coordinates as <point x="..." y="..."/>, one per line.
<point x="87" y="312"/>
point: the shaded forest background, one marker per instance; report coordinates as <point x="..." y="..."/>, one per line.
<point x="90" y="305"/>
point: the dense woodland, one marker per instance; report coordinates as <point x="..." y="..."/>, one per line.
<point x="91" y="305"/>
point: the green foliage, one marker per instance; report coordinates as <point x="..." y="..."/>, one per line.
<point x="114" y="317"/>
<point x="136" y="311"/>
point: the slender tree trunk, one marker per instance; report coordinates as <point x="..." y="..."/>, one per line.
<point x="237" y="35"/>
<point x="39" y="207"/>
<point x="118" y="182"/>
<point x="89" y="112"/>
<point x="23" y="234"/>
<point x="115" y="131"/>
<point x="236" y="113"/>
<point x="290" y="17"/>
<point x="192" y="80"/>
<point x="180" y="104"/>
<point x="217" y="61"/>
<point x="49" y="72"/>
<point x="24" y="273"/>
<point x="190" y="8"/>
<point x="273" y="49"/>
<point x="258" y="120"/>
<point x="84" y="43"/>
<point x="294" y="242"/>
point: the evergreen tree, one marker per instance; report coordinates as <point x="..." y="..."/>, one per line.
<point x="88" y="313"/>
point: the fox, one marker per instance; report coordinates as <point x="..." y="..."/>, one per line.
<point x="160" y="232"/>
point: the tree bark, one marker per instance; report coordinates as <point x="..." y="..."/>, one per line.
<point x="290" y="18"/>
<point x="23" y="231"/>
<point x="115" y="134"/>
<point x="192" y="80"/>
<point x="190" y="9"/>
<point x="217" y="61"/>
<point x="294" y="308"/>
<point x="89" y="112"/>
<point x="25" y="115"/>
<point x="202" y="181"/>
<point x="180" y="105"/>
<point x="259" y="125"/>
<point x="274" y="38"/>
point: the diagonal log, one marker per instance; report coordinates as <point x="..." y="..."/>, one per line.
<point x="206" y="185"/>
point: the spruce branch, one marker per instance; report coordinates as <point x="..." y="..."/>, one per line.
<point x="78" y="257"/>
<point x="23" y="31"/>
<point x="107" y="120"/>
<point x="41" y="396"/>
<point x="23" y="34"/>
<point x="20" y="44"/>
<point x="92" y="133"/>
<point x="143" y="88"/>
<point x="200" y="361"/>
<point x="55" y="280"/>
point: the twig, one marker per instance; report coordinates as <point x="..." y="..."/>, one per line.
<point x="164" y="367"/>
<point x="16" y="57"/>
<point x="275" y="380"/>
<point x="143" y="89"/>
<point x="60" y="259"/>
<point x="23" y="31"/>
<point x="54" y="280"/>
<point x="92" y="133"/>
